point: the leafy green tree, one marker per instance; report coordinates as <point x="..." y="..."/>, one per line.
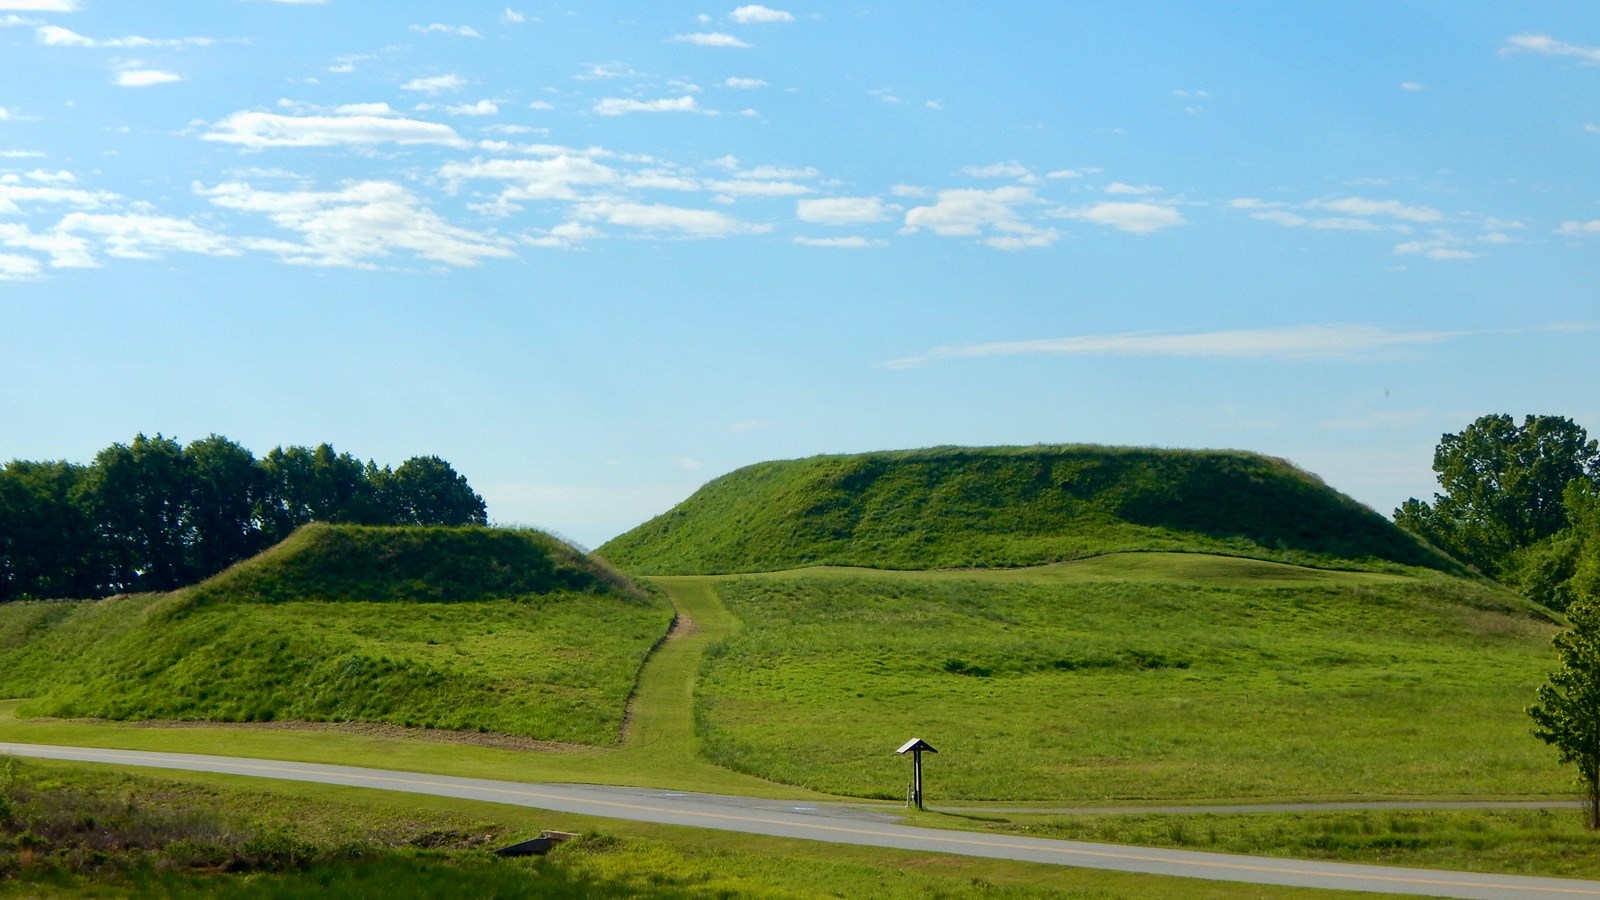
<point x="425" y="490"/>
<point x="48" y="546"/>
<point x="314" y="485"/>
<point x="1503" y="487"/>
<point x="225" y="487"/>
<point x="137" y="493"/>
<point x="1568" y="712"/>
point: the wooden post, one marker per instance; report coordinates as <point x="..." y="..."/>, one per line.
<point x="915" y="746"/>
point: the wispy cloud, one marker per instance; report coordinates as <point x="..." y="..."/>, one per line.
<point x="1590" y="228"/>
<point x="441" y="28"/>
<point x="755" y="14"/>
<point x="617" y="106"/>
<point x="263" y="129"/>
<point x="40" y="5"/>
<point x="56" y="36"/>
<point x="1305" y="343"/>
<point x="436" y="84"/>
<point x="1545" y="45"/>
<point x="144" y="77"/>
<point x="841" y="210"/>
<point x="1134" y="218"/>
<point x="854" y="242"/>
<point x="709" y="39"/>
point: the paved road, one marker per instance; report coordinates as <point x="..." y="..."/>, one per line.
<point x="851" y="825"/>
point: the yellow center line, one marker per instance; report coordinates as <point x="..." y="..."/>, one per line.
<point x="929" y="835"/>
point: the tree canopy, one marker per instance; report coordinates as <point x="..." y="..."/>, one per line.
<point x="1504" y="488"/>
<point x="1567" y="715"/>
<point x="153" y="514"/>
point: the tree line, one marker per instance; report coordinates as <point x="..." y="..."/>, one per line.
<point x="154" y="515"/>
<point x="1521" y="503"/>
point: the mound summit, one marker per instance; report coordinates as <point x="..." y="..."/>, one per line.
<point x="992" y="507"/>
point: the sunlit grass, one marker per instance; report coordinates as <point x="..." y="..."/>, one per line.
<point x="1045" y="684"/>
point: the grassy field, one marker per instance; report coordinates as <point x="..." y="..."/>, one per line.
<point x="77" y="831"/>
<point x="471" y="629"/>
<point x="1145" y="676"/>
<point x="951" y="507"/>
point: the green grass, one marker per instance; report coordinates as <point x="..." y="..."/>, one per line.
<point x="473" y="629"/>
<point x="1140" y="677"/>
<point x="1509" y="841"/>
<point x="95" y="831"/>
<point x="1012" y="506"/>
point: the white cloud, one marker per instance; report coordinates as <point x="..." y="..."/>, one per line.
<point x="262" y="129"/>
<point x="617" y="106"/>
<point x="1305" y="343"/>
<point x="481" y="108"/>
<point x="1433" y="249"/>
<point x="756" y="14"/>
<point x="1361" y="206"/>
<point x="556" y="178"/>
<point x="887" y="95"/>
<point x="300" y="2"/>
<point x="1012" y="169"/>
<point x="541" y="104"/>
<point x="1070" y="173"/>
<point x="1117" y="187"/>
<point x="5" y="114"/>
<point x="1545" y="45"/>
<point x="967" y="212"/>
<point x="603" y="71"/>
<point x="567" y="234"/>
<point x="1134" y="218"/>
<point x="66" y="251"/>
<point x="1412" y="86"/>
<point x="60" y="176"/>
<point x="56" y="36"/>
<point x="18" y="268"/>
<point x="776" y="172"/>
<point x="367" y="109"/>
<point x="440" y="28"/>
<point x="512" y="17"/>
<point x="133" y="236"/>
<point x="709" y="39"/>
<point x="687" y="462"/>
<point x="40" y="5"/>
<point x="743" y="84"/>
<point x="847" y="243"/>
<point x="145" y="77"/>
<point x="841" y="210"/>
<point x="1579" y="229"/>
<point x="12" y="194"/>
<point x="436" y="84"/>
<point x="360" y="222"/>
<point x="703" y="223"/>
<point x="749" y="187"/>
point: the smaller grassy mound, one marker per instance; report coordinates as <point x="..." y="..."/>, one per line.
<point x="424" y="565"/>
<point x="461" y="628"/>
<point x="952" y="507"/>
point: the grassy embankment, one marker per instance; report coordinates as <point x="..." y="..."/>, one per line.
<point x="472" y="628"/>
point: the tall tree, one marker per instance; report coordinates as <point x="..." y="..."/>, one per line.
<point x="1568" y="712"/>
<point x="48" y="546"/>
<point x="305" y="485"/>
<point x="1503" y="487"/>
<point x="426" y="490"/>
<point x="219" y="514"/>
<point x="138" y="493"/>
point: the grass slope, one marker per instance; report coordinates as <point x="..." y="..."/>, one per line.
<point x="1133" y="677"/>
<point x="1012" y="506"/>
<point x="465" y="628"/>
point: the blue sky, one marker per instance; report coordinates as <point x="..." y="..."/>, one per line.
<point x="595" y="255"/>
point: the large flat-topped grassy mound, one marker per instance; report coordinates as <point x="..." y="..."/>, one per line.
<point x="464" y="628"/>
<point x="952" y="507"/>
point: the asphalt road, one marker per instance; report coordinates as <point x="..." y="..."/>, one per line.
<point x="839" y="823"/>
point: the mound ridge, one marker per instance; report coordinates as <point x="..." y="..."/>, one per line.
<point x="954" y="507"/>
<point x="416" y="564"/>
